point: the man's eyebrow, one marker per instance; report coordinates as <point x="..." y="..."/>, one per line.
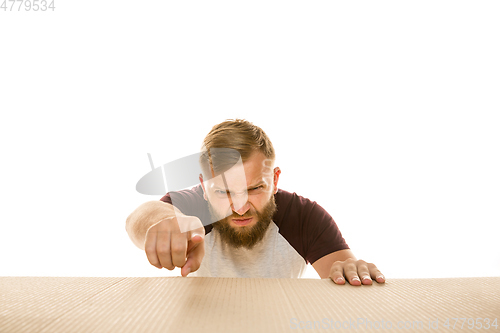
<point x="257" y="185"/>
<point x="217" y="188"/>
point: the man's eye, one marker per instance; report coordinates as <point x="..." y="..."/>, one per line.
<point x="220" y="192"/>
<point x="257" y="188"/>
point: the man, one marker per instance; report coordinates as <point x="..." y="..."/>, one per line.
<point x="259" y="230"/>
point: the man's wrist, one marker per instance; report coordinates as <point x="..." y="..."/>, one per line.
<point x="144" y="217"/>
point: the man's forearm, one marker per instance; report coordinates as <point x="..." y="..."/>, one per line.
<point x="144" y="217"/>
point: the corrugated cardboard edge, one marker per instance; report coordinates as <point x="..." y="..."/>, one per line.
<point x="240" y="305"/>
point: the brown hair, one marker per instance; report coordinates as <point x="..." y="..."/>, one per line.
<point x="239" y="136"/>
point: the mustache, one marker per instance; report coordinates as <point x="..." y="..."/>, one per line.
<point x="250" y="213"/>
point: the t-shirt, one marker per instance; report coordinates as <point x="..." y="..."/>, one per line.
<point x="301" y="233"/>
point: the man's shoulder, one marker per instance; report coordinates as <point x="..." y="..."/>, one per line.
<point x="292" y="208"/>
<point x="287" y="198"/>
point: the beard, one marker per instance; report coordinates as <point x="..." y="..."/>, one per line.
<point x="245" y="236"/>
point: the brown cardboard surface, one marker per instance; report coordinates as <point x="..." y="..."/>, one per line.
<point x="176" y="304"/>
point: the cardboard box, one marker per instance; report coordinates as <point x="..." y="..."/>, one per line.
<point x="176" y="304"/>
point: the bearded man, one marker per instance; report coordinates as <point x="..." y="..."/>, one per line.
<point x="238" y="223"/>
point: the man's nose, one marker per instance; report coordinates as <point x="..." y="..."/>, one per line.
<point x="242" y="210"/>
<point x="239" y="203"/>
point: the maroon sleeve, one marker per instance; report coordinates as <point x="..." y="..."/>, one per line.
<point x="307" y="226"/>
<point x="191" y="203"/>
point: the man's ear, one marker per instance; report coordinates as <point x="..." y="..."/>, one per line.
<point x="277" y="173"/>
<point x="203" y="186"/>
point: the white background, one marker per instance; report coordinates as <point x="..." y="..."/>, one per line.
<point x="384" y="112"/>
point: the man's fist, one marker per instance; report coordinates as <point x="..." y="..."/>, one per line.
<point x="166" y="246"/>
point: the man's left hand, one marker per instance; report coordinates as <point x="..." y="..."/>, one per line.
<point x="356" y="272"/>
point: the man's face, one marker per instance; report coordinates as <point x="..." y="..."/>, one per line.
<point x="244" y="209"/>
